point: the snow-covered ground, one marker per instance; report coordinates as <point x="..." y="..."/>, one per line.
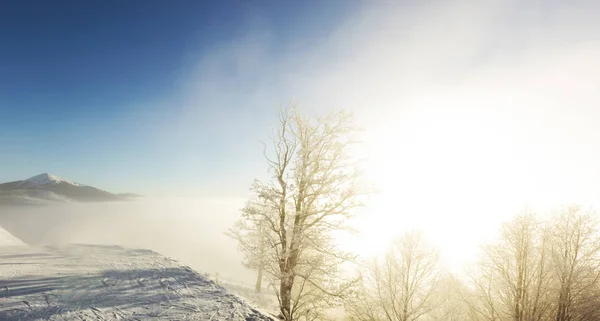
<point x="266" y="299"/>
<point x="190" y="231"/>
<point x="85" y="282"/>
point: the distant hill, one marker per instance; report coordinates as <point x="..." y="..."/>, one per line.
<point x="46" y="187"/>
<point x="129" y="195"/>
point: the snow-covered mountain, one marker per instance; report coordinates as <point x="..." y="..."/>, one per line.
<point x="48" y="187"/>
<point x="45" y="179"/>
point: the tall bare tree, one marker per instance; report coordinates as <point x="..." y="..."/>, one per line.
<point x="313" y="190"/>
<point x="576" y="260"/>
<point x="513" y="282"/>
<point x="402" y="287"/>
<point x="520" y="264"/>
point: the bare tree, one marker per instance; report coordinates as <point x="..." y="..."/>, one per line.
<point x="450" y="297"/>
<point x="576" y="260"/>
<point x="481" y="298"/>
<point x="514" y="277"/>
<point x="402" y="287"/>
<point x="535" y="271"/>
<point x="312" y="191"/>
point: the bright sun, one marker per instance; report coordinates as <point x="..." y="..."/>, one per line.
<point x="450" y="173"/>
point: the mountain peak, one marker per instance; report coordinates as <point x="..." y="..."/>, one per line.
<point x="46" y="179"/>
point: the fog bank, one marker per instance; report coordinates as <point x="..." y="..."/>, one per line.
<point x="189" y="230"/>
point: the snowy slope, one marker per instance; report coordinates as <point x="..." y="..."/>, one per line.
<point x="84" y="282"/>
<point x="7" y="239"/>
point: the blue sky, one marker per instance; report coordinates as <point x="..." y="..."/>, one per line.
<point x="174" y="97"/>
<point x="101" y="91"/>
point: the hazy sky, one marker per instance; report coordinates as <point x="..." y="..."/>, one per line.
<point x="464" y="103"/>
<point x="472" y="110"/>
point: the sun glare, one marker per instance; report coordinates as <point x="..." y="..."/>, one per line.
<point x="438" y="171"/>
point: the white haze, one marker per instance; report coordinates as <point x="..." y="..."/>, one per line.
<point x="472" y="110"/>
<point x="186" y="229"/>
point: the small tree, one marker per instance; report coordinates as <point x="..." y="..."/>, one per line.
<point x="481" y="298"/>
<point x="400" y="288"/>
<point x="312" y="192"/>
<point x="252" y="242"/>
<point x="452" y="306"/>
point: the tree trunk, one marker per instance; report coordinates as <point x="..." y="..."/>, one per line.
<point x="258" y="286"/>
<point x="261" y="260"/>
<point x="561" y="314"/>
<point x="285" y="292"/>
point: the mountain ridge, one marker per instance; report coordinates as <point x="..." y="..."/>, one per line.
<point x="48" y="187"/>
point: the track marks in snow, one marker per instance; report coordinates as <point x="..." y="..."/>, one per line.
<point x="110" y="283"/>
